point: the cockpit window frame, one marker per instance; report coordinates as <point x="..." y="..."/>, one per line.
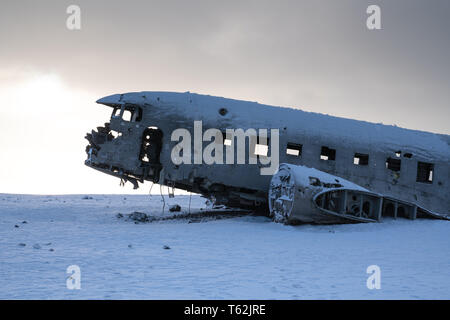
<point x="136" y="113"/>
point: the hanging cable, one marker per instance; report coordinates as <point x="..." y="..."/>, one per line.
<point x="150" y="191"/>
<point x="162" y="196"/>
<point x="190" y="196"/>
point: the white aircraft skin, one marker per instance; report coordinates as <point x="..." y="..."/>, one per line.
<point x="401" y="166"/>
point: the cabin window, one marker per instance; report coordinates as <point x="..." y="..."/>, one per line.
<point x="328" y="154"/>
<point x="262" y="146"/>
<point x="425" y="172"/>
<point x="127" y="114"/>
<point x="294" y="149"/>
<point x="226" y="139"/>
<point x="393" y="164"/>
<point x="227" y="142"/>
<point x="132" y="114"/>
<point x="261" y="150"/>
<point x="361" y="159"/>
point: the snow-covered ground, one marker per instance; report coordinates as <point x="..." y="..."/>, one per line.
<point x="246" y="257"/>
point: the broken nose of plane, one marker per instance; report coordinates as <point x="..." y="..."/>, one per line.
<point x="111" y="100"/>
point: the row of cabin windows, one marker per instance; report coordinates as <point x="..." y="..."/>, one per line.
<point x="424" y="170"/>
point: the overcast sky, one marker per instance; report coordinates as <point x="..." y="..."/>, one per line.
<point x="315" y="55"/>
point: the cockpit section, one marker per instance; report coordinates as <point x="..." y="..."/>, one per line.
<point x="124" y="147"/>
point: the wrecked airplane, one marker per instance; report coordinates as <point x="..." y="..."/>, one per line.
<point x="297" y="166"/>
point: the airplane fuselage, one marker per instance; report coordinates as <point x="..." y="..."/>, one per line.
<point x="405" y="164"/>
